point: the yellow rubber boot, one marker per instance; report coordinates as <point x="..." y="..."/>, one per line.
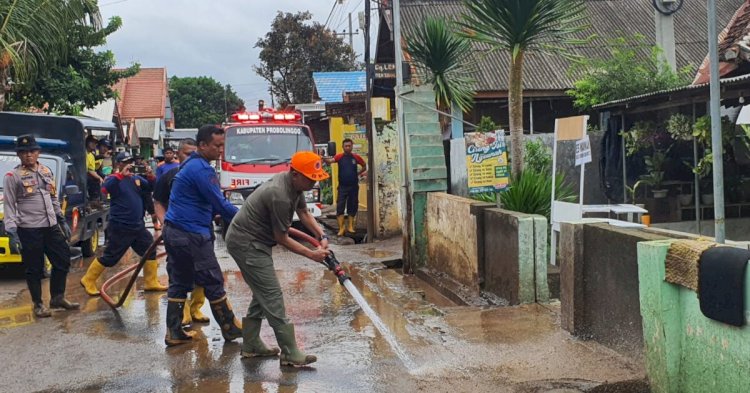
<point x="197" y="300"/>
<point x="88" y="281"/>
<point x="350" y="227"/>
<point x="150" y="280"/>
<point x="342" y="228"/>
<point x="186" y="318"/>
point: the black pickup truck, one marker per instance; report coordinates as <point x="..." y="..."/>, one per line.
<point x="62" y="139"/>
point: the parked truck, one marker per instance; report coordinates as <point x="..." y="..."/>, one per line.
<point x="62" y="139"/>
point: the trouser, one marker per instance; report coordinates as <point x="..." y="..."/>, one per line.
<point x="35" y="244"/>
<point x="94" y="188"/>
<point x="256" y="265"/>
<point x="122" y="238"/>
<point x="349" y="199"/>
<point x="191" y="260"/>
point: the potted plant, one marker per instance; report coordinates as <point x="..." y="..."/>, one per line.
<point x="655" y="175"/>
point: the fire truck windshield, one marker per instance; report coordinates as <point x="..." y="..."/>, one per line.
<point x="262" y="144"/>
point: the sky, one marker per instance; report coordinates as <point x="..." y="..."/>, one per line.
<point x="215" y="38"/>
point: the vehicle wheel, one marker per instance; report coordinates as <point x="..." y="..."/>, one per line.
<point x="89" y="246"/>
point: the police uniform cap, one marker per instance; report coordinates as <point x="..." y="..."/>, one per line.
<point x="123" y="156"/>
<point x="26" y="143"/>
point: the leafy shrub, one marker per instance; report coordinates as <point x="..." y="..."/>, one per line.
<point x="486" y="124"/>
<point x="538" y="156"/>
<point x="531" y="193"/>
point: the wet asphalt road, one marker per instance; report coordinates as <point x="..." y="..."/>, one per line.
<point x="454" y="349"/>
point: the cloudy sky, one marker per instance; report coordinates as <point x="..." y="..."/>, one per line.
<point x="213" y="37"/>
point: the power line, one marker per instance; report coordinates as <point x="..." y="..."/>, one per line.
<point x="330" y="13"/>
<point x="112" y="2"/>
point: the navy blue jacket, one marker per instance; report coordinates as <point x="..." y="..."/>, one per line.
<point x="127" y="203"/>
<point x="196" y="197"/>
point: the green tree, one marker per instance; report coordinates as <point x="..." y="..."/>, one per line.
<point x="201" y="100"/>
<point x="34" y="34"/>
<point x="84" y="80"/>
<point x="293" y="50"/>
<point x="443" y="57"/>
<point x="632" y="67"/>
<point x="519" y="27"/>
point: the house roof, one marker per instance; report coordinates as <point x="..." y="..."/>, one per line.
<point x="144" y="95"/>
<point x="729" y="50"/>
<point x="331" y="86"/>
<point x="607" y="19"/>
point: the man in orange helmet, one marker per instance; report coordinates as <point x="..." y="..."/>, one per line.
<point x="263" y="222"/>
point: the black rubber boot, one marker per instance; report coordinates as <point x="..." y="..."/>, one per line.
<point x="41" y="311"/>
<point x="59" y="301"/>
<point x="175" y="334"/>
<point x="230" y="326"/>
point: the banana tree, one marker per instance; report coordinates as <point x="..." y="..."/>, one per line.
<point x="33" y="34"/>
<point x="443" y="57"/>
<point x="520" y="27"/>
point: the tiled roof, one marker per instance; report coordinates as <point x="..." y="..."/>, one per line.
<point x="607" y="19"/>
<point x="143" y="96"/>
<point x="331" y="86"/>
<point x="729" y="38"/>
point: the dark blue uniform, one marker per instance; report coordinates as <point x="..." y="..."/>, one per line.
<point x="348" y="190"/>
<point x="126" y="228"/>
<point x="188" y="234"/>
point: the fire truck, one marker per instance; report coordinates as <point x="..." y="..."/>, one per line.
<point x="259" y="145"/>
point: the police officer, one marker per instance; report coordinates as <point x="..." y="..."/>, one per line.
<point x="348" y="190"/>
<point x="189" y="238"/>
<point x="162" y="191"/>
<point x="126" y="227"/>
<point x="36" y="225"/>
<point x="263" y="222"/>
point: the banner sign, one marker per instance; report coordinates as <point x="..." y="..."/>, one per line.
<point x="486" y="161"/>
<point x="583" y="151"/>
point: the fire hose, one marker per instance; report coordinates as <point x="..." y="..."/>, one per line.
<point x="330" y="262"/>
<point x="120" y="275"/>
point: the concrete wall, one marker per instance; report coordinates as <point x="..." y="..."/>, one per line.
<point x="599" y="284"/>
<point x="685" y="351"/>
<point x="737" y="229"/>
<point x="387" y="172"/>
<point x="515" y="256"/>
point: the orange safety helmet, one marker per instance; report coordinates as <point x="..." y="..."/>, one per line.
<point x="309" y="164"/>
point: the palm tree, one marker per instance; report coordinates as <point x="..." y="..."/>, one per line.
<point x="442" y="56"/>
<point x="519" y="27"/>
<point x="33" y="34"/>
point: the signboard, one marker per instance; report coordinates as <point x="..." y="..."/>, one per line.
<point x="583" y="151"/>
<point x="385" y="71"/>
<point x="486" y="161"/>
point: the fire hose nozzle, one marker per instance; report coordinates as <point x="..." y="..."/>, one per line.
<point x="333" y="265"/>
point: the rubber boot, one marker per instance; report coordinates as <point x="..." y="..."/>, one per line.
<point x="150" y="279"/>
<point x="186" y="318"/>
<point x="290" y="354"/>
<point x="230" y="326"/>
<point x="175" y="335"/>
<point x="59" y="301"/>
<point x="197" y="300"/>
<point x="351" y="222"/>
<point x="41" y="311"/>
<point x="92" y="274"/>
<point x="342" y="228"/>
<point x="252" y="345"/>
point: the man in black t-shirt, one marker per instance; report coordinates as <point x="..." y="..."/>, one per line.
<point x="162" y="191"/>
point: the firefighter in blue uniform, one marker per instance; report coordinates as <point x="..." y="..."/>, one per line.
<point x="188" y="233"/>
<point x="126" y="227"/>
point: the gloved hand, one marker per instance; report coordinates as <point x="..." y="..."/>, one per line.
<point x="64" y="227"/>
<point x="15" y="242"/>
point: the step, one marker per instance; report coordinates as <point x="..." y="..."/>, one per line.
<point x="420" y="117"/>
<point x="428" y="161"/>
<point x="427" y="128"/>
<point x="432" y="185"/>
<point x="425" y="139"/>
<point x="426" y="151"/>
<point x="429" y="173"/>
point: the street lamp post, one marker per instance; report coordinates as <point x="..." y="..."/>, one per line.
<point x="716" y="146"/>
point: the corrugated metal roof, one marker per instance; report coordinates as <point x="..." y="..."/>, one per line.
<point x="607" y="19"/>
<point x="722" y="82"/>
<point x="148" y="128"/>
<point x="331" y="86"/>
<point x="103" y="111"/>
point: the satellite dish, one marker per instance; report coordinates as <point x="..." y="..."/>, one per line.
<point x="667" y="7"/>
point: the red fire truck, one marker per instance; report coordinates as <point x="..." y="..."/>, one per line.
<point x="259" y="145"/>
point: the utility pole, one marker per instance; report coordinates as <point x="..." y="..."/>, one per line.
<point x="368" y="126"/>
<point x="406" y="202"/>
<point x="716" y="146"/>
<point x="351" y="36"/>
